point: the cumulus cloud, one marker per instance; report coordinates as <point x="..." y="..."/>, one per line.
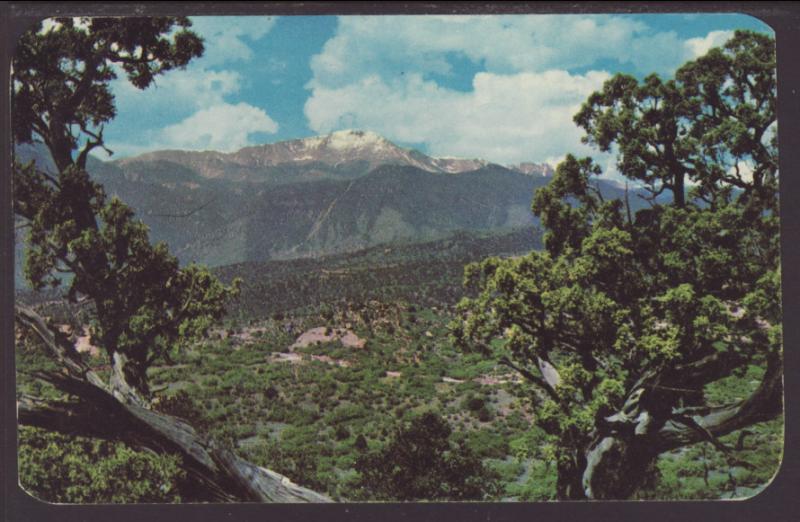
<point x="177" y="91"/>
<point x="696" y="47"/>
<point x="222" y="127"/>
<point x="505" y="118"/>
<point x="380" y="73"/>
<point x="197" y="96"/>
<point x="502" y="43"/>
<point x="202" y="83"/>
<point x="226" y="36"/>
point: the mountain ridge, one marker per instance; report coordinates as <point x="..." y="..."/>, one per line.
<point x="361" y="150"/>
<point x="281" y="202"/>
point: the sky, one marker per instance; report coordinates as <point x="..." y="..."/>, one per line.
<point x="500" y="88"/>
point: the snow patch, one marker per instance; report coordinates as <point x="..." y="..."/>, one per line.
<point x="354" y="139"/>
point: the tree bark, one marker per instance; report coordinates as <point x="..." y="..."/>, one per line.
<point x="568" y="480"/>
<point x="616" y="467"/>
<point x="100" y="411"/>
<point x="628" y="443"/>
<point x="127" y="381"/>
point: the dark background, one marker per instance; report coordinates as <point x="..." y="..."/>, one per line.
<point x="780" y="501"/>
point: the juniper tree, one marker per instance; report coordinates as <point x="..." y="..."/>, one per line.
<point x="622" y="320"/>
<point x="144" y="303"/>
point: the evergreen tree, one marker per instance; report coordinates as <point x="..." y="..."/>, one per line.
<point x="145" y="303"/>
<point x="420" y="463"/>
<point x="622" y="321"/>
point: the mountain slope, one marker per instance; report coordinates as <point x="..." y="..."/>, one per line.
<point x="424" y="273"/>
<point x="235" y="222"/>
<point x="325" y="195"/>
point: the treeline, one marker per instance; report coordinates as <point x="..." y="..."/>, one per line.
<point x="428" y="274"/>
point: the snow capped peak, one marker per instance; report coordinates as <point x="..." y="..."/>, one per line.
<point x="353" y="144"/>
<point x="346" y="140"/>
<point x="361" y="148"/>
<point x="355" y="139"/>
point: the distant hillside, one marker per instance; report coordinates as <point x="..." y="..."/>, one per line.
<point x="325" y="195"/>
<point x="426" y="274"/>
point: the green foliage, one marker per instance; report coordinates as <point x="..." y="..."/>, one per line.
<point x="539" y="485"/>
<point x="94" y="471"/>
<point x="428" y="274"/>
<point x="615" y="296"/>
<point x="144" y="303"/>
<point x="420" y="463"/>
<point x="473" y="403"/>
<point x="292" y="432"/>
<point x="62" y="74"/>
<point x="717" y="112"/>
<point x="486" y="443"/>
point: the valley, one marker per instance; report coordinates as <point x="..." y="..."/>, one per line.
<point x="352" y="263"/>
<point x="321" y="361"/>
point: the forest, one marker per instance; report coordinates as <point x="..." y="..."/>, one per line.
<point x="610" y="354"/>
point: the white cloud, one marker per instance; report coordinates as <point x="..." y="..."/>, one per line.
<point x="225" y="36"/>
<point x="502" y="43"/>
<point x="202" y="83"/>
<point x="743" y="169"/>
<point x="197" y="95"/>
<point x="376" y="73"/>
<point x="506" y="118"/>
<point x="177" y="91"/>
<point x="696" y="47"/>
<point x="223" y="127"/>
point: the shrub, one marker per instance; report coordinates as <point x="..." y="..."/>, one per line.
<point x="341" y="432"/>
<point x="484" y="414"/>
<point x="421" y="463"/>
<point x="79" y="470"/>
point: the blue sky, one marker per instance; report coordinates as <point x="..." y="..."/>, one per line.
<point x="502" y="88"/>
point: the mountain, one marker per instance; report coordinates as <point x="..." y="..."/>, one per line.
<point x="424" y="273"/>
<point x="342" y="154"/>
<point x="324" y="195"/>
<point x="537" y="169"/>
<point x="220" y="222"/>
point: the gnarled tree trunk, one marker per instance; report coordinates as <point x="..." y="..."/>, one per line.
<point x="128" y="380"/>
<point x="100" y="410"/>
<point x="627" y="445"/>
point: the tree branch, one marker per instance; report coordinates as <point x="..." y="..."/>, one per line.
<point x="764" y="404"/>
<point x="220" y="474"/>
<point x="57" y="345"/>
<point x="538" y="381"/>
<point x="87" y="148"/>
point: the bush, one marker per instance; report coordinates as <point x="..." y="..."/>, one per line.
<point x="487" y="444"/>
<point x="473" y="403"/>
<point x="341" y="432"/>
<point x="79" y="470"/>
<point x="271" y="393"/>
<point x="421" y="463"/>
<point x="484" y="414"/>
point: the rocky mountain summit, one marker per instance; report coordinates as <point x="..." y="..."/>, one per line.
<point x="346" y="152"/>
